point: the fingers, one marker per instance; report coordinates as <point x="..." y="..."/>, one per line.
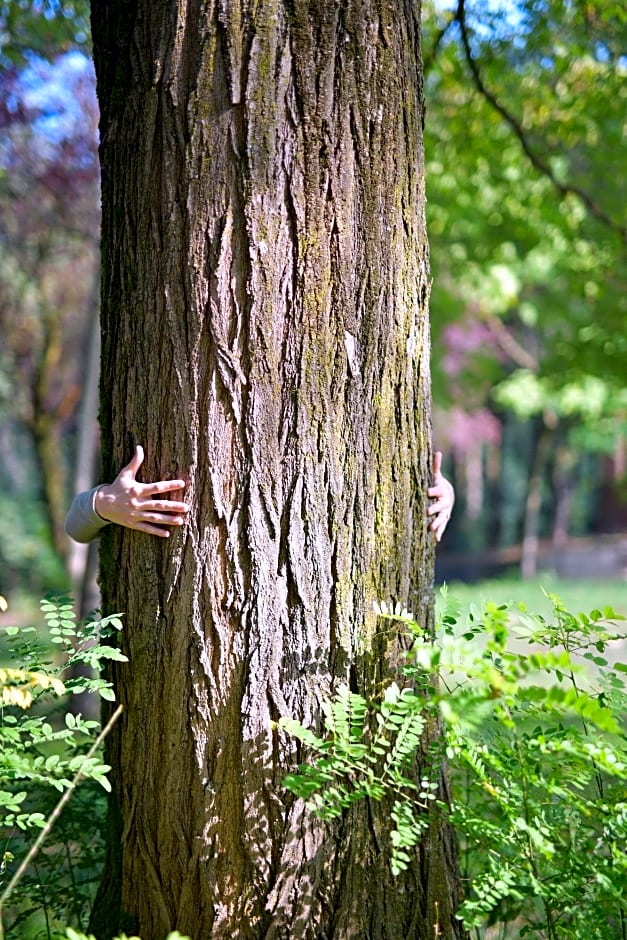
<point x="443" y="496"/>
<point x="162" y="486"/>
<point x="152" y="529"/>
<point x="129" y="503"/>
<point x="161" y="505"/>
<point x="155" y="523"/>
<point x="435" y="492"/>
<point x="135" y="463"/>
<point x="151" y="489"/>
<point x="440" y="505"/>
<point x="438" y="528"/>
<point x="440" y="522"/>
<point x="162" y="518"/>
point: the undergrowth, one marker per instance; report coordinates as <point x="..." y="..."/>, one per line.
<point x="46" y="750"/>
<point x="537" y="760"/>
<point x="532" y="710"/>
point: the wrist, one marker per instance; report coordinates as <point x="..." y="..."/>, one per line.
<point x="100" y="503"/>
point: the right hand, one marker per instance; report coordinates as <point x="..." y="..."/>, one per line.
<point x="129" y="503"/>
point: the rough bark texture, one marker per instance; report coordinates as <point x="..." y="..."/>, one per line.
<point x="264" y="294"/>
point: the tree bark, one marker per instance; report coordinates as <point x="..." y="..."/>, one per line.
<point x="265" y="335"/>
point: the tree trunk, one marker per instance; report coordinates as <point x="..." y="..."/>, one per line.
<point x="81" y="563"/>
<point x="265" y="335"/>
<point x="44" y="427"/>
<point x="565" y="463"/>
<point x="533" y="502"/>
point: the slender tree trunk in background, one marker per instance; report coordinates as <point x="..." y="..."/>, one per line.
<point x="473" y="468"/>
<point x="264" y="295"/>
<point x="44" y="427"/>
<point x="611" y="513"/>
<point x="564" y="467"/>
<point x="80" y="557"/>
<point x="533" y="504"/>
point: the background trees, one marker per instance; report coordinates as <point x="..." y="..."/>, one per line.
<point x="48" y="260"/>
<point x="523" y="140"/>
<point x="527" y="240"/>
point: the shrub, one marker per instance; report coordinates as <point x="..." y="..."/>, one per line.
<point x="73" y="935"/>
<point x="531" y="712"/>
<point x="45" y="750"/>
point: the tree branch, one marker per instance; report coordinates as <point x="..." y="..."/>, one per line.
<point x="508" y="342"/>
<point x="563" y="189"/>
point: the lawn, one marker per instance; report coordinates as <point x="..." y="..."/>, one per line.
<point x="579" y="595"/>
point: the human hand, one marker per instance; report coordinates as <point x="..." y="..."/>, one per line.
<point x="444" y="495"/>
<point x="129" y="503"/>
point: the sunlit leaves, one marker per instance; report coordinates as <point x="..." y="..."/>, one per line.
<point x="504" y="240"/>
<point x="48" y="753"/>
<point x="24" y="739"/>
<point x="17" y="685"/>
<point x="533" y="738"/>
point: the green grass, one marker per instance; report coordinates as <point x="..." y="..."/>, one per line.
<point x="580" y="595"/>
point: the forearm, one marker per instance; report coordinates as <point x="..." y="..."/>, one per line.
<point x="82" y="522"/>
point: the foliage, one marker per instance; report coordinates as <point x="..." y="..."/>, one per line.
<point x="507" y="240"/>
<point x="537" y="759"/>
<point x="523" y="139"/>
<point x="44" y="28"/>
<point x="73" y="935"/>
<point x="48" y="256"/>
<point x="367" y="755"/>
<point x="43" y="747"/>
<point x="28" y="558"/>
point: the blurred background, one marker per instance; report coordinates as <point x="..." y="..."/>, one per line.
<point x="524" y="159"/>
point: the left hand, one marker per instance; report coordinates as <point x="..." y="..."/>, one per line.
<point x="444" y="495"/>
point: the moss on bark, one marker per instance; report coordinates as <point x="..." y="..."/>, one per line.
<point x="264" y="336"/>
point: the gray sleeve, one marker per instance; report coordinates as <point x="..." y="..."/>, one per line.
<point x="82" y="522"/>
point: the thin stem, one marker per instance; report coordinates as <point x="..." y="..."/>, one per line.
<point x="429" y="58"/>
<point x="44" y="902"/>
<point x="597" y="773"/>
<point x="70" y="865"/>
<point x="530" y="850"/>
